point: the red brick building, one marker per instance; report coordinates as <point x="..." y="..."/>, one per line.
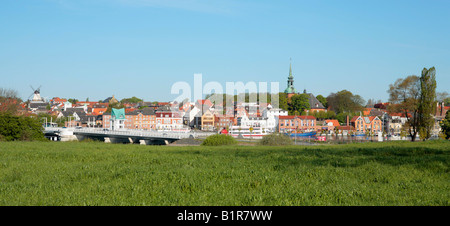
<point x="144" y="119"/>
<point x="293" y="124"/>
<point x="363" y="124"/>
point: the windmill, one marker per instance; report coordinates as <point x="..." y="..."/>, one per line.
<point x="36" y="95"/>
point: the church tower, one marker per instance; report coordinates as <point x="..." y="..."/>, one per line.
<point x="290" y="90"/>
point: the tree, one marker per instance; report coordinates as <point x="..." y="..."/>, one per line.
<point x="322" y="100"/>
<point x="331" y="115"/>
<point x="9" y="101"/>
<point x="427" y="102"/>
<point x="117" y="105"/>
<point x="370" y="103"/>
<point x="342" y="117"/>
<point x="132" y="100"/>
<point x="299" y="103"/>
<point x="320" y="114"/>
<point x="13" y="128"/>
<point x="442" y="97"/>
<point x="73" y="100"/>
<point x="345" y="101"/>
<point x="447" y="101"/>
<point x="281" y="101"/>
<point x="445" y="126"/>
<point x="404" y="97"/>
<point x="8" y="93"/>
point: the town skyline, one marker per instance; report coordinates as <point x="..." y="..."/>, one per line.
<point x="96" y="49"/>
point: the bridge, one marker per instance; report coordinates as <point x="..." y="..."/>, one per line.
<point x="121" y="136"/>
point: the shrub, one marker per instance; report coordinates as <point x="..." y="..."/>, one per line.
<point x="276" y="139"/>
<point x="14" y="128"/>
<point x="219" y="140"/>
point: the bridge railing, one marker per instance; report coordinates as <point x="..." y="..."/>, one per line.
<point x="141" y="133"/>
<point x="159" y="134"/>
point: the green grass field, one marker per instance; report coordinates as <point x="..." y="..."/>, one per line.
<point x="94" y="173"/>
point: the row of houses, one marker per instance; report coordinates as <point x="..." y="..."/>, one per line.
<point x="358" y="124"/>
<point x="203" y="115"/>
<point x="167" y="118"/>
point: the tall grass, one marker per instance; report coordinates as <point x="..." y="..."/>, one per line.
<point x="276" y="139"/>
<point x="94" y="173"/>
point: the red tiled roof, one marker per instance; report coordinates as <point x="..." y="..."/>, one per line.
<point x="371" y="118"/>
<point x="59" y="100"/>
<point x="203" y="102"/>
<point x="98" y="111"/>
<point x="333" y="121"/>
<point x="354" y="118"/>
<point x="400" y="114"/>
<point x="366" y="111"/>
<point x="128" y="110"/>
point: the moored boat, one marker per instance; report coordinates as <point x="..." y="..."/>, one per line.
<point x="247" y="132"/>
<point x="303" y="134"/>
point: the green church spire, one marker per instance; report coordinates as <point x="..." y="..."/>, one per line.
<point x="290" y="83"/>
<point x="290" y="69"/>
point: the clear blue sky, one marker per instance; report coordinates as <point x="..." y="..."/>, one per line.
<point x="99" y="48"/>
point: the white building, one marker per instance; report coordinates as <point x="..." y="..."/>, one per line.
<point x="275" y="113"/>
<point x="67" y="104"/>
<point x="166" y="119"/>
<point x="268" y="124"/>
<point x="189" y="116"/>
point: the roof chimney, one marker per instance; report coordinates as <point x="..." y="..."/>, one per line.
<point x="437" y="109"/>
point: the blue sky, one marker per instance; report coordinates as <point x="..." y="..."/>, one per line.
<point x="98" y="48"/>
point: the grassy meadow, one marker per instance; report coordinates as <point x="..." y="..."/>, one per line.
<point x="95" y="173"/>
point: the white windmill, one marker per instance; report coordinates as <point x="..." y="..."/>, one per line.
<point x="36" y="95"/>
